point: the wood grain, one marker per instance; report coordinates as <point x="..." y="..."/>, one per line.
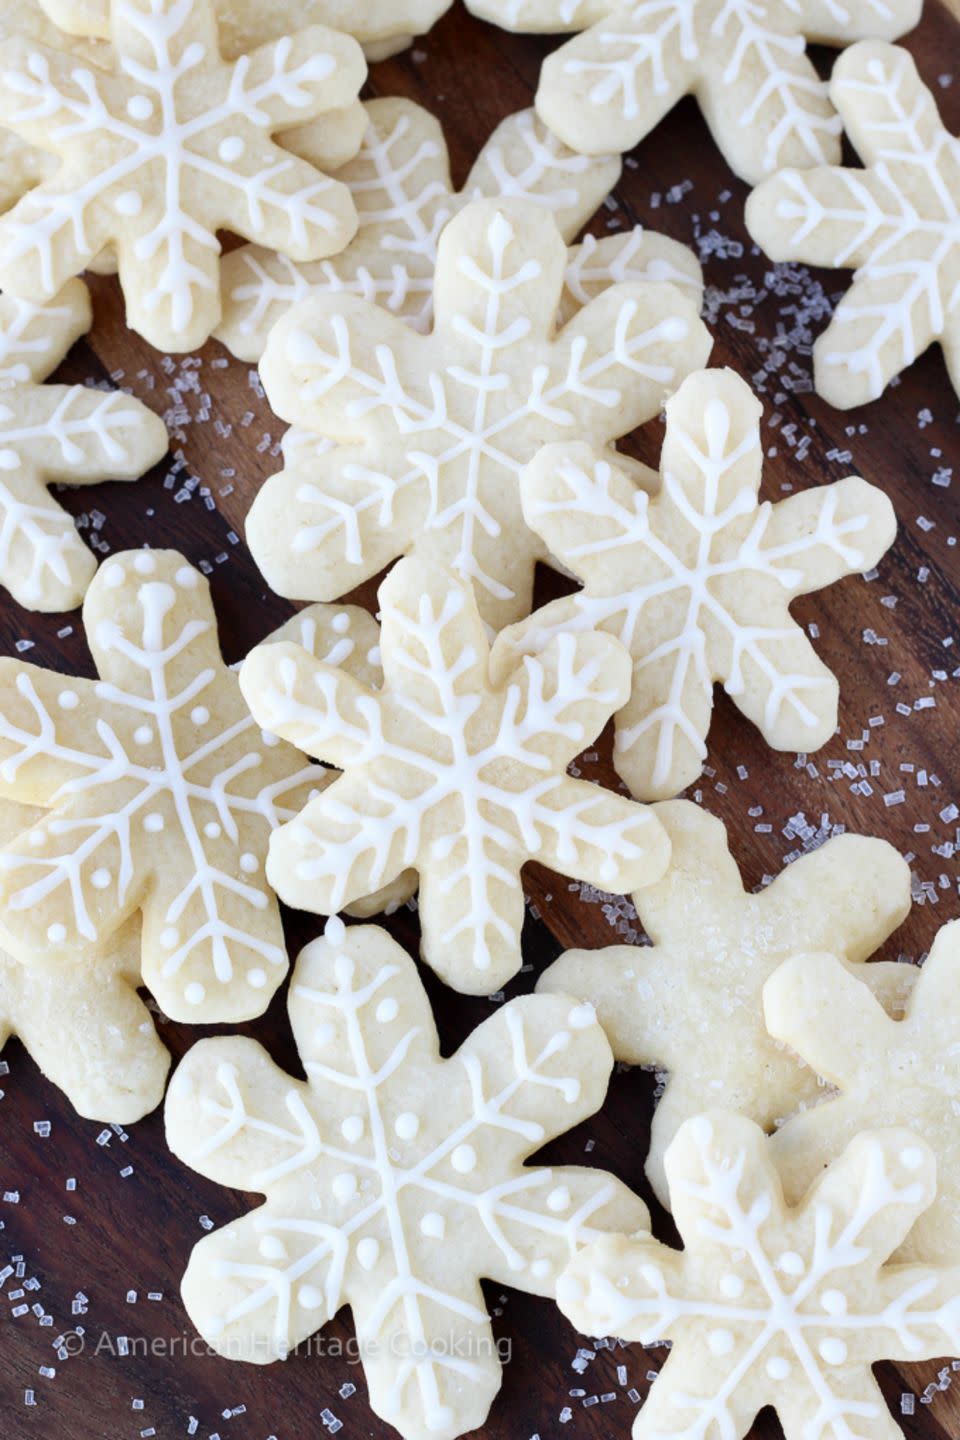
<point x="891" y="770"/>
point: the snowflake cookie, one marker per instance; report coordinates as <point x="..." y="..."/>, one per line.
<point x="404" y="195"/>
<point x="435" y="429"/>
<point x="696" y="579"/>
<point x="85" y="1026"/>
<point x="394" y="1179"/>
<point x="887" y="1072"/>
<point x="21" y="165"/>
<point x="444" y="772"/>
<point x="692" y="1003"/>
<point x="745" y="60"/>
<point x="896" y="224"/>
<point x="770" y="1304"/>
<point x="167" y="147"/>
<point x="383" y="27"/>
<point x="57" y="433"/>
<point x="161" y="793"/>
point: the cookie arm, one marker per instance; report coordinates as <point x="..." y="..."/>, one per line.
<point x="232" y="1115"/>
<point x="819" y="536"/>
<point x="810" y="899"/>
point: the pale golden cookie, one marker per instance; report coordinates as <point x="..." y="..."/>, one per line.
<point x="161" y="793"/>
<point x="434" y="430"/>
<point x="394" y="1180"/>
<point x="696" y="578"/>
<point x="448" y="774"/>
<point x="896" y="224"/>
<point x="50" y="433"/>
<point x="404" y="195"/>
<point x="161" y="150"/>
<point x="769" y="1304"/>
<point x="692" y="1002"/>
<point x="887" y="1072"/>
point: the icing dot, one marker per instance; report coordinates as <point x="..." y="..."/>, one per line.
<point x="582" y="1016"/>
<point x="433" y="1225"/>
<point x="558" y="1199"/>
<point x="540" y="1269"/>
<point x="194" y="993"/>
<point x="368" y="1250"/>
<point x="344" y="1187"/>
<point x="114" y="576"/>
<point x="911" y="1158"/>
<point x="187" y="578"/>
<point x="100" y="879"/>
<point x="139" y="107"/>
<point x="271" y="1248"/>
<point x="199" y="714"/>
<point x="720" y="1342"/>
<point x="731" y="1286"/>
<point x="143" y="734"/>
<point x="9" y="460"/>
<point x="153" y="822"/>
<point x="833" y="1350"/>
<point x="463" y="1159"/>
<point x="128" y="202"/>
<point x="352" y="1128"/>
<point x="407" y="1125"/>
<point x="257" y="978"/>
<point x="212" y="829"/>
<point x="778" y="1368"/>
<point x="145" y="563"/>
<point x="169" y="937"/>
<point x="791" y="1263"/>
<point x="271" y="741"/>
<point x="309" y="1297"/>
<point x="323" y="1035"/>
<point x="56" y="933"/>
<point x="834" y="1302"/>
<point x="341" y="623"/>
<point x="249" y="863"/>
<point x="230" y="148"/>
<point x="35" y="838"/>
<point x="387" y="1010"/>
<point x="68" y="699"/>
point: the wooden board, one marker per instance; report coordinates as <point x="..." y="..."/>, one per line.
<point x="892" y="769"/>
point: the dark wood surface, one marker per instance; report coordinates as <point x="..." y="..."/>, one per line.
<point x="893" y="769"/>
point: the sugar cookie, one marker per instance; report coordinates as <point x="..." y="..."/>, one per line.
<point x="393" y="1179"/>
<point x="85" y="1026"/>
<point x="161" y="794"/>
<point x="444" y="772"/>
<point x="404" y="195"/>
<point x="888" y="1072"/>
<point x="896" y="224"/>
<point x="22" y="165"/>
<point x="57" y="433"/>
<point x="769" y="1304"/>
<point x="158" y="152"/>
<point x="382" y="26"/>
<point x="745" y="60"/>
<point x="696" y="579"/>
<point x="434" y="430"/>
<point x="692" y="1002"/>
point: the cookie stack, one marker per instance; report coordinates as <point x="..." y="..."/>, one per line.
<point x="462" y="377"/>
